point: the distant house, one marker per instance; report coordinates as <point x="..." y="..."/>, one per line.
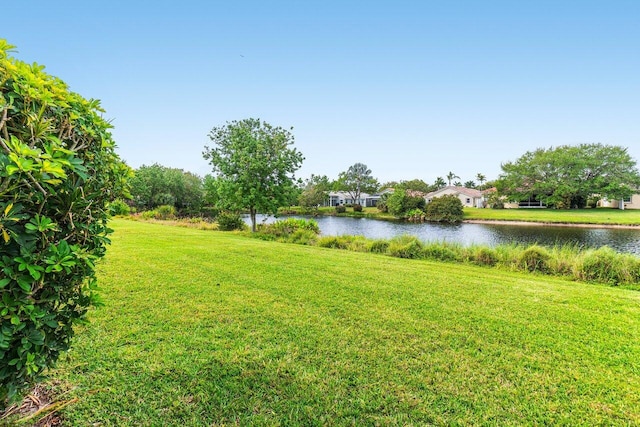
<point x="341" y="198"/>
<point x="632" y="202"/>
<point x="469" y="197"/>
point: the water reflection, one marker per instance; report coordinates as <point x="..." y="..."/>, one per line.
<point x="624" y="240"/>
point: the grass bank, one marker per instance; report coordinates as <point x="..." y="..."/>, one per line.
<point x="630" y="217"/>
<point x="203" y="328"/>
<point x="602" y="217"/>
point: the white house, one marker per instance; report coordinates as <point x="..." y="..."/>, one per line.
<point x="469" y="197"/>
<point x="341" y="198"/>
<point x="632" y="202"/>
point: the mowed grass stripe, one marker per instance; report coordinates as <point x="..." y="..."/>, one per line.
<point x="212" y="328"/>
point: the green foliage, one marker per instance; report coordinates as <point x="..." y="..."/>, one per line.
<point x="341" y="209"/>
<point x="534" y="258"/>
<point x="483" y="256"/>
<point x="607" y="266"/>
<point x="119" y="207"/>
<point x="283" y="229"/>
<point x="315" y="192"/>
<point x="401" y="202"/>
<point x="447" y="208"/>
<point x="567" y="176"/>
<point x="156" y="185"/>
<point x="441" y="252"/>
<point x="254" y="166"/>
<point x="415" y="185"/>
<point x="229" y="221"/>
<point x="357" y="207"/>
<point x="406" y="247"/>
<point x="357" y="180"/>
<point x="58" y="174"/>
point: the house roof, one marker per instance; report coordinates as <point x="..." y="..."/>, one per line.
<point x="470" y="192"/>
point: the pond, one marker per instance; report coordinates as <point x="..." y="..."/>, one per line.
<point x="620" y="239"/>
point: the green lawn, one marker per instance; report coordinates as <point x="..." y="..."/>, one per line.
<point x="206" y="328"/>
<point x="572" y="216"/>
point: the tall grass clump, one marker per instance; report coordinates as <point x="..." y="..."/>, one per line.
<point x="481" y="255"/>
<point x="442" y="251"/>
<point x="290" y="230"/>
<point x="604" y="265"/>
<point x="347" y="242"/>
<point x="534" y="258"/>
<point x="406" y="247"/>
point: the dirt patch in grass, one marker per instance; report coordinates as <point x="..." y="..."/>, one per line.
<point x="39" y="409"/>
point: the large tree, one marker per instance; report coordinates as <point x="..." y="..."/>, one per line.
<point x="416" y="185"/>
<point x="315" y="191"/>
<point x="357" y="180"/>
<point x="254" y="165"/>
<point x="566" y="176"/>
<point x="155" y="185"/>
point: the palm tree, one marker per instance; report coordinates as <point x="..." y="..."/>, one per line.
<point x="451" y="176"/>
<point x="470" y="184"/>
<point x="481" y="178"/>
<point x="439" y="183"/>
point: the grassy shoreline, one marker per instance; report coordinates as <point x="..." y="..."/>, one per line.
<point x="602" y="217"/>
<point x="204" y="328"/>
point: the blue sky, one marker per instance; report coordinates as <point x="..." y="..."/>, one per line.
<point x="413" y="89"/>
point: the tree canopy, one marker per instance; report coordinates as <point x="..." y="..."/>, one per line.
<point x="567" y="176"/>
<point x="315" y="191"/>
<point x="155" y="185"/>
<point x="357" y="180"/>
<point x="254" y="165"/>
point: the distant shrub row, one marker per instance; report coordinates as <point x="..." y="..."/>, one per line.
<point x="602" y="265"/>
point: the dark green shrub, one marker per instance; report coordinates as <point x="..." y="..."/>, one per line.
<point x="58" y="174"/>
<point x="341" y="209"/>
<point x="406" y="247"/>
<point x="357" y="208"/>
<point x="229" y="221"/>
<point x="534" y="258"/>
<point x="119" y="207"/>
<point x="400" y="203"/>
<point x="446" y="208"/>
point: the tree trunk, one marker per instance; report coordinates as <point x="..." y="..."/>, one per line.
<point x="252" y="212"/>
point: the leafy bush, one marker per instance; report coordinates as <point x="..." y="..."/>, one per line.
<point x="58" y="174"/>
<point x="341" y="209"/>
<point x="228" y="221"/>
<point x="165" y="212"/>
<point x="400" y="203"/>
<point x="357" y="208"/>
<point x="446" y="208"/>
<point x="119" y="207"/>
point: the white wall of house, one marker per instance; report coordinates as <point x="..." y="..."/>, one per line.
<point x="631" y="203"/>
<point x="466" y="200"/>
